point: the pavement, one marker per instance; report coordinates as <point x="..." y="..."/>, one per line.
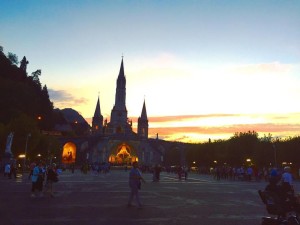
<point x="90" y="199"/>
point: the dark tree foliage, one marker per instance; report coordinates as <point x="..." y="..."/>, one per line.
<point x="22" y="94"/>
<point x="25" y="105"/>
<point x="241" y="146"/>
<point x="35" y="77"/>
<point x="172" y="155"/>
<point x="13" y="58"/>
<point x="263" y="152"/>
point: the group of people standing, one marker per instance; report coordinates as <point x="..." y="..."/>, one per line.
<point x="282" y="186"/>
<point x="38" y="174"/>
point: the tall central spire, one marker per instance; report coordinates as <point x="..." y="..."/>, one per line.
<point x="120" y="99"/>
<point x="119" y="112"/>
<point x="121" y="73"/>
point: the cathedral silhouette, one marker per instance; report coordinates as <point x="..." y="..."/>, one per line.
<point x="116" y="143"/>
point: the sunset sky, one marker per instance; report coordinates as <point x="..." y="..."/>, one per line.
<point x="206" y="69"/>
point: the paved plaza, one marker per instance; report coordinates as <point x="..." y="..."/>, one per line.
<point x="89" y="199"/>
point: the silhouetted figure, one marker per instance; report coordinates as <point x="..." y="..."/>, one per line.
<point x="135" y="178"/>
<point x="13" y="171"/>
<point x="23" y="64"/>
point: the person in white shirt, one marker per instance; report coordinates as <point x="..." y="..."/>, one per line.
<point x="287" y="180"/>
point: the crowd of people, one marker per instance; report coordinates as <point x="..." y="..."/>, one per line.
<point x="42" y="178"/>
<point x="243" y="173"/>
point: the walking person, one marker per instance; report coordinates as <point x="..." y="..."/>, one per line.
<point x="185" y="170"/>
<point x="52" y="177"/>
<point x="7" y="170"/>
<point x="135" y="179"/>
<point x="287" y="181"/>
<point x="179" y="172"/>
<point x="32" y="165"/>
<point x="13" y="171"/>
<point x="249" y="173"/>
<point x="156" y="173"/>
<point x="34" y="178"/>
<point x="37" y="180"/>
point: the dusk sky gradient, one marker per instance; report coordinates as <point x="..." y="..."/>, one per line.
<point x="206" y="69"/>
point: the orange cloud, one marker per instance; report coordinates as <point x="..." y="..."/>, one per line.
<point x="186" y="117"/>
<point x="275" y="124"/>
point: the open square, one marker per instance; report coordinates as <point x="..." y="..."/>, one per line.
<point x="90" y="199"/>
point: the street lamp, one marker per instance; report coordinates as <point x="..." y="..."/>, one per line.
<point x="249" y="163"/>
<point x="26" y="145"/>
<point x="275" y="154"/>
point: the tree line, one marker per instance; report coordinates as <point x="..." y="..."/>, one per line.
<point x="245" y="148"/>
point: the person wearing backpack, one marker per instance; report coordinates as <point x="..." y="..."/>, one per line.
<point x="135" y="179"/>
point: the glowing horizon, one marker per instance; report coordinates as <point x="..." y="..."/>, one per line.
<point x="185" y="129"/>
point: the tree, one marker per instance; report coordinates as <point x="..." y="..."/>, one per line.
<point x="35" y="77"/>
<point x="242" y="146"/>
<point x="13" y="58"/>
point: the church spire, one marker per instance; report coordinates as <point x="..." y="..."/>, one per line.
<point x="97" y="122"/>
<point x="144" y="112"/>
<point x="121" y="73"/>
<point x="118" y="118"/>
<point x="97" y="110"/>
<point x="120" y="97"/>
<point x="143" y="124"/>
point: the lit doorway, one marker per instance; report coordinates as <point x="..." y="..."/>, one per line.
<point x="69" y="153"/>
<point x="123" y="155"/>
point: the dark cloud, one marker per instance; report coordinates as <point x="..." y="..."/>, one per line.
<point x="59" y="95"/>
<point x="63" y="99"/>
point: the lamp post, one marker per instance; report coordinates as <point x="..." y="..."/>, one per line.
<point x="275" y="155"/>
<point x="26" y="145"/>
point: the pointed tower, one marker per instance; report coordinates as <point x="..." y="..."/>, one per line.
<point x="118" y="118"/>
<point x="143" y="124"/>
<point x="97" y="123"/>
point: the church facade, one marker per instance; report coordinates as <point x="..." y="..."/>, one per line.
<point x="115" y="141"/>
